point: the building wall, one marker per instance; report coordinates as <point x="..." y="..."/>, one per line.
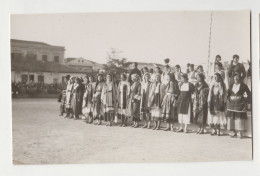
<point x="49" y="78"/>
<point x="38" y="49"/>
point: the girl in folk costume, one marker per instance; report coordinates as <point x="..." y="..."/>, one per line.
<point x="145" y="109"/>
<point x="236" y="106"/>
<point x="75" y="102"/>
<point x="81" y="94"/>
<point x="200" y="105"/>
<point x="69" y="97"/>
<point x="191" y="74"/>
<point x="123" y="95"/>
<point x="87" y="99"/>
<point x="217" y="100"/>
<point x="62" y="98"/>
<point x="236" y="68"/>
<point x="134" y="100"/>
<point x="172" y="91"/>
<point x="109" y="99"/>
<point x="155" y="101"/>
<point x="167" y="69"/>
<point x="97" y="105"/>
<point x="184" y="103"/>
<point x="178" y="73"/>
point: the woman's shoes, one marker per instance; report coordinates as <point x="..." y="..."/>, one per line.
<point x="145" y="126"/>
<point x="148" y="127"/>
<point x="214" y="132"/>
<point x="201" y="131"/>
<point x="167" y="129"/>
<point x="179" y="130"/>
<point x="233" y="135"/>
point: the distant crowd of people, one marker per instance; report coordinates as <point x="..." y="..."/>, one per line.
<point x="168" y="95"/>
<point x="33" y="88"/>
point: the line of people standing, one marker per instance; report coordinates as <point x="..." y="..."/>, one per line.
<point x="162" y="96"/>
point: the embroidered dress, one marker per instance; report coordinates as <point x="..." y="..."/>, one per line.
<point x="184" y="103"/>
<point x="169" y="103"/>
<point x="108" y="98"/>
<point x="200" y="105"/>
<point x="123" y="93"/>
<point x="97" y="105"/>
<point x="63" y="102"/>
<point x="69" y="94"/>
<point x="145" y="90"/>
<point x="217" y="102"/>
<point x="133" y="109"/>
<point x="87" y="98"/>
<point x="155" y="100"/>
<point x="75" y="102"/>
<point x="236" y="106"/>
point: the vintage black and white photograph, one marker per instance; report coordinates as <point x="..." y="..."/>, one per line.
<point x="131" y="87"/>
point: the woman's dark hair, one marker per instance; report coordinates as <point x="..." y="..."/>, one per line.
<point x="177" y="66"/>
<point x="124" y="75"/>
<point x="91" y="76"/>
<point x="237" y="74"/>
<point x="201" y="75"/>
<point x="235" y="56"/>
<point x="218" y="56"/>
<point x="219" y="76"/>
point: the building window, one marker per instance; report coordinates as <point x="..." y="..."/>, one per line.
<point x="31" y="77"/>
<point x="31" y="56"/>
<point x="56" y="58"/>
<point x="24" y="78"/>
<point x="44" y="58"/>
<point x="16" y="55"/>
<point x="40" y="79"/>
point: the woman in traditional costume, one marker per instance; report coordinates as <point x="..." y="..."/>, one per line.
<point x="236" y="106"/>
<point x="97" y="105"/>
<point x="134" y="100"/>
<point x="236" y="68"/>
<point x="123" y="92"/>
<point x="87" y="99"/>
<point x="200" y="105"/>
<point x="155" y="101"/>
<point x="145" y="109"/>
<point x="177" y="73"/>
<point x="109" y="99"/>
<point x="69" y="113"/>
<point x="184" y="107"/>
<point x="217" y="101"/>
<point x="75" y="102"/>
<point x="169" y="103"/>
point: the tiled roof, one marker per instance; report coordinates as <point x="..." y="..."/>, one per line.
<point x="33" y="42"/>
<point x="39" y="66"/>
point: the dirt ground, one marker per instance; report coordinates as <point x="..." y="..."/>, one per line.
<point x="40" y="136"/>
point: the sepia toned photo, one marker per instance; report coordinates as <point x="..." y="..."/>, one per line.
<point x="131" y="87"/>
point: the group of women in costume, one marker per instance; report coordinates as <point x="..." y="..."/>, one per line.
<point x="169" y="97"/>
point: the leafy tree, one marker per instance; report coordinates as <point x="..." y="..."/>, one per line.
<point x="115" y="63"/>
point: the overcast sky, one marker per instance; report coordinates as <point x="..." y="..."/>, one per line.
<point x="144" y="36"/>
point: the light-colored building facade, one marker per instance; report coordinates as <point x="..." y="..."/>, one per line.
<point x="37" y="51"/>
<point x="39" y="62"/>
<point x="83" y="64"/>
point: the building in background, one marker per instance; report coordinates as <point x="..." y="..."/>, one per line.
<point x="83" y="64"/>
<point x="31" y="50"/>
<point x="39" y="62"/>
